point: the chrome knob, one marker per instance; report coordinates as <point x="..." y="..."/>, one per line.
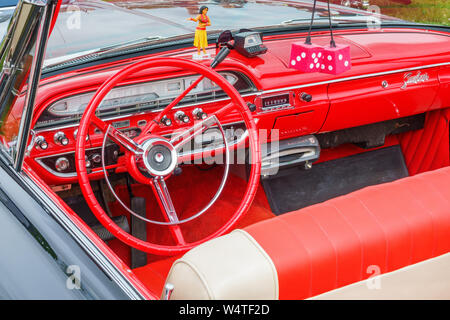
<point x="41" y="143"/>
<point x="182" y="117"/>
<point x="87" y="162"/>
<point x="96" y="158"/>
<point x="199" y="114"/>
<point x="166" y="121"/>
<point x="61" y="139"/>
<point x="306" y="97"/>
<point x="75" y="133"/>
<point x="168" y="290"/>
<point x="62" y="164"/>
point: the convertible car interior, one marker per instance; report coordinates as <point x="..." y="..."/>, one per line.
<point x="240" y="177"/>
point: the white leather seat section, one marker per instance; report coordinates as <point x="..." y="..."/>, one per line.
<point x="233" y="266"/>
<point x="429" y="279"/>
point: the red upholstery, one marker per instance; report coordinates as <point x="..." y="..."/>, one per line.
<point x="427" y="149"/>
<point x="332" y="244"/>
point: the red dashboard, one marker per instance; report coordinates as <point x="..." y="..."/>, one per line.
<point x="395" y="73"/>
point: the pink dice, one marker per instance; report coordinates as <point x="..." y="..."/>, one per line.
<point x="335" y="59"/>
<point x="306" y="57"/>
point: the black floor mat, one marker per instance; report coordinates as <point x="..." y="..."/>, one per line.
<point x="296" y="188"/>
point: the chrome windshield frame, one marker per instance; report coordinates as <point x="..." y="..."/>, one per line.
<point x="26" y="38"/>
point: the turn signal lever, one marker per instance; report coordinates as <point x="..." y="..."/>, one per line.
<point x="223" y="53"/>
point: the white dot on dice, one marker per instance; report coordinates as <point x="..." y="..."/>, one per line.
<point x="311" y="66"/>
<point x="316" y="60"/>
<point x="340" y="57"/>
<point x="323" y="66"/>
<point x="313" y="55"/>
<point x="320" y="54"/>
<point x="298" y="58"/>
<point x="293" y="62"/>
<point x="330" y="68"/>
<point x="329" y="58"/>
<point x="303" y="54"/>
<point x="318" y="65"/>
<point x="346" y="63"/>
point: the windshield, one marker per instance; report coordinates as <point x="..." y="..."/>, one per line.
<point x="86" y="26"/>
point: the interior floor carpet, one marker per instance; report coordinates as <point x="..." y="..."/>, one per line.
<point x="294" y="188"/>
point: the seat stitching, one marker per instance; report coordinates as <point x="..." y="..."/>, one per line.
<point x="379" y="224"/>
<point x="199" y="274"/>
<point x="434" y="124"/>
<point x="331" y="242"/>
<point x="354" y="231"/>
<point x="290" y="230"/>
<point x="266" y="256"/>
<point x="435" y="128"/>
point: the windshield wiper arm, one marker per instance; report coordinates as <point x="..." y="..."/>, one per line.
<point x="307" y="21"/>
<point x="99" y="52"/>
<point x="336" y="20"/>
<point x="127" y="44"/>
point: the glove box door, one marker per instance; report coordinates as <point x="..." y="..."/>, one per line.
<point x="379" y="98"/>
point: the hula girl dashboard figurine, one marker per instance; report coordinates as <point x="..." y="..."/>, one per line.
<point x="201" y="38"/>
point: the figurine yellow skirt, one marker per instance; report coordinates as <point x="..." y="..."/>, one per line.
<point x="201" y="39"/>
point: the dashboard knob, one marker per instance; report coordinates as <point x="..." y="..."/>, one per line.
<point x="166" y="121"/>
<point x="60" y="138"/>
<point x="75" y="133"/>
<point x="96" y="158"/>
<point x="87" y="162"/>
<point x="199" y="114"/>
<point x="251" y="106"/>
<point x="41" y="143"/>
<point x="182" y="117"/>
<point x="306" y="97"/>
<point x="62" y="164"/>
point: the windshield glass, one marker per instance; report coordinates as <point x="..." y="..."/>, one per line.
<point x="86" y="26"/>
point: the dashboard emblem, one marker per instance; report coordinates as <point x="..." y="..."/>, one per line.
<point x="409" y="78"/>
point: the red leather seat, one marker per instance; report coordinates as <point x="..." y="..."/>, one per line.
<point x="344" y="240"/>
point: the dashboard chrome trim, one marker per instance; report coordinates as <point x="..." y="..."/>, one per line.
<point x="263" y="92"/>
<point x="73" y="125"/>
<point x="184" y="154"/>
<point x="369" y="75"/>
<point x="59" y="174"/>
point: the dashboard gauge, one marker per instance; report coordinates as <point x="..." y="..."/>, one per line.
<point x="131" y="99"/>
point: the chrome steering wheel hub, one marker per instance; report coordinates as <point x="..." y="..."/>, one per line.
<point x="160" y="157"/>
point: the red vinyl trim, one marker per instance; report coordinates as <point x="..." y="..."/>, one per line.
<point x="428" y="149"/>
<point x="341" y="241"/>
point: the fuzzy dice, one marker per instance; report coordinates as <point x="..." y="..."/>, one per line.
<point x="306" y="57"/>
<point x="335" y="59"/>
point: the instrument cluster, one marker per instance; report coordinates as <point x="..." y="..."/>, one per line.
<point x="129" y="109"/>
<point x="145" y="97"/>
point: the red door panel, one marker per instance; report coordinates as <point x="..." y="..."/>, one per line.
<point x="443" y="97"/>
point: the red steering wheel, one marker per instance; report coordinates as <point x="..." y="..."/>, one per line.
<point x="151" y="158"/>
